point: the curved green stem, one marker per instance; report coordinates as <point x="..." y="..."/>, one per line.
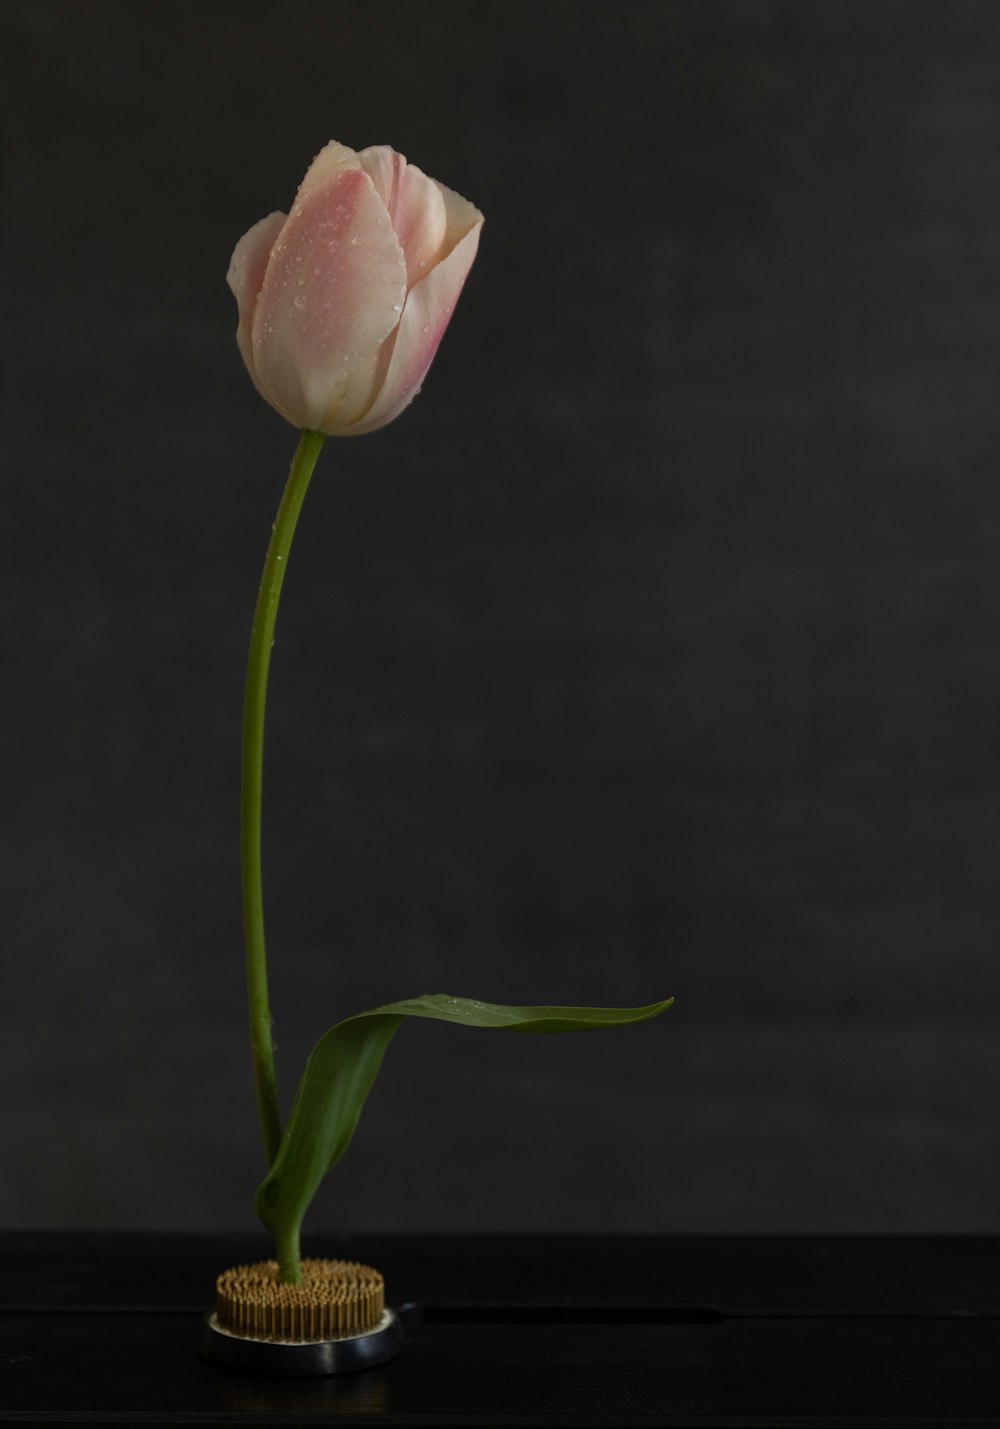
<point x="258" y="663"/>
<point x="289" y="1256"/>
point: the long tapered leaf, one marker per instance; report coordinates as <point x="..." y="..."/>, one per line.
<point x="344" y="1063"/>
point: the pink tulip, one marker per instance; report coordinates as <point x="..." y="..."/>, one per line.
<point x="343" y="302"/>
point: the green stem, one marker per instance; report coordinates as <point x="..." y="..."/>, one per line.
<point x="258" y="662"/>
<point x="286" y="1247"/>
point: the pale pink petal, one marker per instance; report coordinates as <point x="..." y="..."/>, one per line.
<point x="383" y="166"/>
<point x="333" y="292"/>
<point x="414" y="203"/>
<point x="331" y="161"/>
<point x="246" y="277"/>
<point x="427" y="313"/>
<point x="461" y="217"/>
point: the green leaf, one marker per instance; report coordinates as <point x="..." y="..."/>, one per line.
<point x="343" y="1065"/>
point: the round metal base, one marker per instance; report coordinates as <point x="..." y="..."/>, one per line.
<point x="310" y="1357"/>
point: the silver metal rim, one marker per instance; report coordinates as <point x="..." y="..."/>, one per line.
<point x="309" y="1357"/>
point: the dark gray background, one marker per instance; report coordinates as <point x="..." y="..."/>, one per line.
<point x="654" y="650"/>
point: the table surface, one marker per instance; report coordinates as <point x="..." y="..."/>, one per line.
<point x="712" y="1332"/>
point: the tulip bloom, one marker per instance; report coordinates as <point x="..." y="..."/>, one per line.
<point x="342" y="303"/>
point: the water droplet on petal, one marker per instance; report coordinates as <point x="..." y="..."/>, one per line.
<point x="299" y="301"/>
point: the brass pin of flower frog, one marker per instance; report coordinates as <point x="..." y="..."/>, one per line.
<point x="342" y="304"/>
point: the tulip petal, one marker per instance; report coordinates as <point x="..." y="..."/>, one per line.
<point x="331" y="161"/>
<point x="333" y="292"/>
<point x="246" y="277"/>
<point x="461" y="217"/>
<point x="426" y="314"/>
<point x="414" y="203"/>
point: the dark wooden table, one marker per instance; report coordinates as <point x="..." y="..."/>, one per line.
<point x="817" y="1332"/>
